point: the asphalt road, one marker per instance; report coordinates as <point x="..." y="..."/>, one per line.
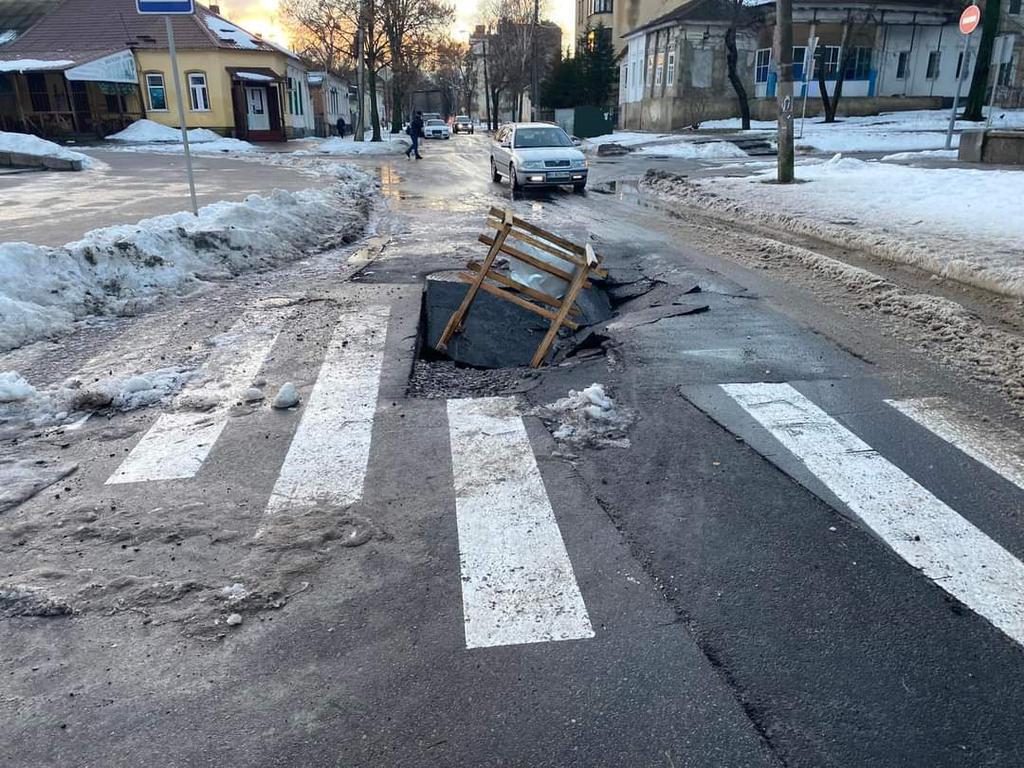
<point x="805" y="574"/>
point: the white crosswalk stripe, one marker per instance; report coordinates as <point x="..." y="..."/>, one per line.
<point x="176" y="446"/>
<point x="1003" y="453"/>
<point x="919" y="527"/>
<point x="329" y="454"/>
<point x="518" y="584"/>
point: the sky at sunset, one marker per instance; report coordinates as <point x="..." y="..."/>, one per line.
<point x="262" y="16"/>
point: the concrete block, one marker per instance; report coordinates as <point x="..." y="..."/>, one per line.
<point x="972" y="144"/>
<point x="26" y="161"/>
<point x="1003" y="147"/>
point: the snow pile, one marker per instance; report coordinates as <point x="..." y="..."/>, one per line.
<point x="693" y="150"/>
<point x="625" y="139"/>
<point x="27" y="144"/>
<point x="957" y="223"/>
<point x="349" y="146"/>
<point x="945" y="154"/>
<point x="150" y="132"/>
<point x="124" y="269"/>
<point x="843" y="139"/>
<point x="202" y="148"/>
<point x="66" y="402"/>
<point x="31" y="65"/>
<point x="588" y="417"/>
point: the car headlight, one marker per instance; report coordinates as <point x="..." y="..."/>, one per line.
<point x="580" y="164"/>
<point x="529" y="165"/>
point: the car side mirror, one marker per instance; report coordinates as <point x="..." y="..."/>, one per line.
<point x="506" y="144"/>
<point x="577" y="141"/>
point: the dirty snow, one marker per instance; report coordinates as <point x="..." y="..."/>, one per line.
<point x="945" y="154"/>
<point x="124" y="269"/>
<point x="151" y="132"/>
<point x="33" y="145"/>
<point x="588" y="417"/>
<point x="21" y="479"/>
<point x="957" y="223"/>
<point x="625" y="139"/>
<point x="200" y="148"/>
<point x="693" y="150"/>
<point x="349" y="146"/>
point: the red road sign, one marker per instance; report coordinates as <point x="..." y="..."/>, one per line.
<point x="969" y="19"/>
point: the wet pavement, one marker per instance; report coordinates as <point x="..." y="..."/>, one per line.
<point x="426" y="576"/>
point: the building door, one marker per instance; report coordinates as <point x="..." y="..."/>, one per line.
<point x="256" y="109"/>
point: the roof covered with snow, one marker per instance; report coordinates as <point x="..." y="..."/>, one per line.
<point x="83" y="30"/>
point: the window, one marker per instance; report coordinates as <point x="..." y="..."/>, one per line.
<point x="660" y="69"/>
<point x="902" y="65"/>
<point x="858" y="64"/>
<point x="827" y="56"/>
<point x="199" y="96"/>
<point x="1004" y="75"/>
<point x="762" y="61"/>
<point x="526" y="138"/>
<point x="934" y="59"/>
<point x="156" y="92"/>
<point x="601" y="6"/>
<point x="37" y="92"/>
<point x="115" y="102"/>
<point x="650" y="68"/>
<point x="295" y="104"/>
<point x="334" y="101"/>
<point x="799" y="57"/>
<point x="1014" y="8"/>
<point x="670" y="71"/>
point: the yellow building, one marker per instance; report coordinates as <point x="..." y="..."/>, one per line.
<point x="76" y="71"/>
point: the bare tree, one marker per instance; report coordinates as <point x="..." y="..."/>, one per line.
<point x="510" y="50"/>
<point x="413" y="29"/>
<point x="974" y="110"/>
<point x="856" y="22"/>
<point x="323" y="33"/>
<point x="740" y="18"/>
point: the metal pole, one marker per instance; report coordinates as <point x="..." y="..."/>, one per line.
<point x="812" y="46"/>
<point x="181" y="113"/>
<point x="956" y="96"/>
<point x="784" y="87"/>
<point x="360" y="133"/>
<point x="534" y="87"/>
<point x="997" y="60"/>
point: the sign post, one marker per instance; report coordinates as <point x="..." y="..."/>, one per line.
<point x="168" y="8"/>
<point x="812" y="46"/>
<point x="969" y="20"/>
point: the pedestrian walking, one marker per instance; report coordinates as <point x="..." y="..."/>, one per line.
<point x="415" y="131"/>
<point x="341" y="127"/>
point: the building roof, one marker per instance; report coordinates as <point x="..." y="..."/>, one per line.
<point x="84" y="30"/>
<point x="703" y="11"/>
<point x="16" y="16"/>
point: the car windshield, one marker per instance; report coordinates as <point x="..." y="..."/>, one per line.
<point x="542" y="137"/>
<point x="463" y="118"/>
<point x="435" y="122"/>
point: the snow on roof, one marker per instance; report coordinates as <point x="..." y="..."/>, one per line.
<point x="33" y="65"/>
<point x="254" y="76"/>
<point x="229" y="33"/>
<point x="7" y="35"/>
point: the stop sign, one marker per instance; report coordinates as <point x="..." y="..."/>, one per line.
<point x="969" y="19"/>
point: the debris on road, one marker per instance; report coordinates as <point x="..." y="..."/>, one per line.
<point x="588" y="417"/>
<point x="233" y="620"/>
<point x="287" y="396"/>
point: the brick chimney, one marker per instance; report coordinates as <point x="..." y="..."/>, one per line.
<point x="214" y="8"/>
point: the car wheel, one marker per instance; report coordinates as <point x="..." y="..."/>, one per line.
<point x="579" y="188"/>
<point x="513" y="177"/>
<point x="495" y="176"/>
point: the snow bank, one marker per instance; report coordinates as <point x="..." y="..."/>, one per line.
<point x="27" y="144"/>
<point x="30" y="65"/>
<point x="201" y="148"/>
<point x="149" y="132"/>
<point x="123" y="269"/>
<point x="947" y="154"/>
<point x="841" y="139"/>
<point x="693" y="150"/>
<point x="588" y="417"/>
<point x="349" y="146"/>
<point x="625" y="139"/>
<point x="956" y="223"/>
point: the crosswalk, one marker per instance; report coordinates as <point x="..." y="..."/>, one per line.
<point x="518" y="584"/>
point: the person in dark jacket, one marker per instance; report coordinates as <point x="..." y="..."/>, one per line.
<point x="415" y="131"/>
<point x="341" y="127"/>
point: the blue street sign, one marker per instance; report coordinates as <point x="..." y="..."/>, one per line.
<point x="177" y="7"/>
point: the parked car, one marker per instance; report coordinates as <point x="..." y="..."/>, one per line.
<point x="436" y="129"/>
<point x="463" y="124"/>
<point x="537" y="155"/>
<point x="431" y="116"/>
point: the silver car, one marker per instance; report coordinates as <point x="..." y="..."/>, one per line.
<point x="537" y="155"/>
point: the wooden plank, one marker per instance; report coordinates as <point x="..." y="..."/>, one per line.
<point x="533" y="261"/>
<point x="518" y="300"/>
<point x="533" y="293"/>
<point x="570" y="298"/>
<point x="539" y="243"/>
<point x="533" y="229"/>
<point x="455" y="321"/>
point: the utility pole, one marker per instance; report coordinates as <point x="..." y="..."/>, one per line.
<point x="534" y="85"/>
<point x="487" y="82"/>
<point x="784" y="87"/>
<point x="360" y="132"/>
